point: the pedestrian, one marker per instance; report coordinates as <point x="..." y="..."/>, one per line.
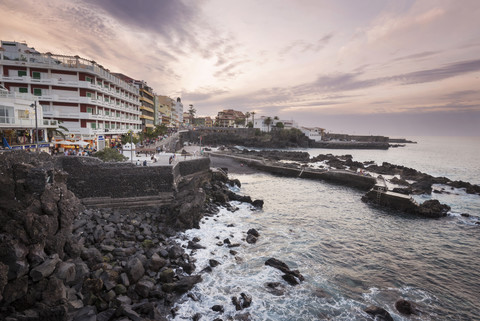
<point x="145" y="163"/>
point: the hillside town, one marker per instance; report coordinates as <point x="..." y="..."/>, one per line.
<point x="50" y="101"/>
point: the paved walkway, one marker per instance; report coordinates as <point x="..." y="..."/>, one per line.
<point x="163" y="158"/>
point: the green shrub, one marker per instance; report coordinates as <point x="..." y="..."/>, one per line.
<point x="110" y="155"/>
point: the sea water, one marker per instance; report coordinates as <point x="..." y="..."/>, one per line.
<point x="351" y="254"/>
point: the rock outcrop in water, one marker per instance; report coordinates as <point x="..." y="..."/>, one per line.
<point x="60" y="261"/>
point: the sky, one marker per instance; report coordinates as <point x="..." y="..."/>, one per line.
<point x="373" y="67"/>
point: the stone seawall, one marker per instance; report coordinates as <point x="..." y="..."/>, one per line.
<point x="91" y="178"/>
<point x="341" y="177"/>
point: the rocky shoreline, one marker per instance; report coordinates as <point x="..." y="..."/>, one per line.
<point x="406" y="181"/>
<point x="60" y="261"/>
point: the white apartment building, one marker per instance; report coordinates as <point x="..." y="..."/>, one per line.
<point x="21" y="117"/>
<point x="81" y="95"/>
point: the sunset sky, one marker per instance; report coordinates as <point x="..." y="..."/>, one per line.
<point x="397" y="68"/>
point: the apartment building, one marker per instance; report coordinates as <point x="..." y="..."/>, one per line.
<point x="147" y="107"/>
<point x="230" y="118"/>
<point x="21" y="122"/>
<point x="93" y="104"/>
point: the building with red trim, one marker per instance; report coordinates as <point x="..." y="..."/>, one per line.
<point x="91" y="102"/>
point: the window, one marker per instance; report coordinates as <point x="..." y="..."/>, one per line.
<point x="93" y="125"/>
<point x="89" y="110"/>
<point x="107" y="125"/>
<point x="23" y="114"/>
<point x="22" y="73"/>
<point x="107" y="112"/>
<point x="118" y="115"/>
<point x="37" y="91"/>
<point x="89" y="95"/>
<point x="36" y="75"/>
<point x="23" y="90"/>
<point x="6" y="115"/>
<point x="90" y="80"/>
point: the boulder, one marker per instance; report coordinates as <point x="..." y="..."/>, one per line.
<point x="433" y="209"/>
<point x="143" y="288"/>
<point x="45" y="269"/>
<point x="54" y="292"/>
<point x="134" y="269"/>
<point x="66" y="272"/>
<point x="251" y="239"/>
<point x="380" y="314"/>
<point x="183" y="285"/>
<point x="156" y="262"/>
<point x="405" y="307"/>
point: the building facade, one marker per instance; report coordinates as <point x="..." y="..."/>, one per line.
<point x="315" y="133"/>
<point x="147" y="101"/>
<point x="92" y="103"/>
<point x="21" y="122"/>
<point x="230" y="118"/>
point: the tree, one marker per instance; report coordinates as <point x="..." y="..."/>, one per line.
<point x="268" y="121"/>
<point x="239" y="121"/>
<point x="247" y="116"/>
<point x="192" y="111"/>
<point x="253" y="118"/>
<point x="250" y="124"/>
<point x="60" y="131"/>
<point x="279" y="125"/>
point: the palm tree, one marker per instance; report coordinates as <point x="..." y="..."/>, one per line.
<point x="268" y="122"/>
<point x="247" y="116"/>
<point x="253" y="118"/>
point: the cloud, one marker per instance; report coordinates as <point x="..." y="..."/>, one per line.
<point x="303" y="46"/>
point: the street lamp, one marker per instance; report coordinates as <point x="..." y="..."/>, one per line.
<point x="131" y="147"/>
<point x="36" y="124"/>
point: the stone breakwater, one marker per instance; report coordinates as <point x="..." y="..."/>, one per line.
<point x="60" y="261"/>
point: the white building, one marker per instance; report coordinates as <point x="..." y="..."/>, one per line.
<point x="83" y="96"/>
<point x="260" y="123"/>
<point x="21" y="117"/>
<point x="178" y="106"/>
<point x="314" y="133"/>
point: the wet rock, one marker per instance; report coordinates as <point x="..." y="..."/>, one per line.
<point x="246" y="300"/>
<point x="277" y="264"/>
<point x="253" y="232"/>
<point x="166" y="276"/>
<point x="213" y="263"/>
<point x="275" y="288"/>
<point x="433" y="209"/>
<point x="218" y="308"/>
<point x="405" y="307"/>
<point x="236" y="303"/>
<point x="175" y="251"/>
<point x="183" y="285"/>
<point x="251" y="239"/>
<point x="194" y="246"/>
<point x="290" y="279"/>
<point x="378" y="313"/>
<point x="258" y="203"/>
<point x="197" y="316"/>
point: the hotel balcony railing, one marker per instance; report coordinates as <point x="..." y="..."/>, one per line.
<point x="70" y="84"/>
<point x="65" y="63"/>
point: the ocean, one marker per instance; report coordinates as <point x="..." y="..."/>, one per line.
<point x="351" y="254"/>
